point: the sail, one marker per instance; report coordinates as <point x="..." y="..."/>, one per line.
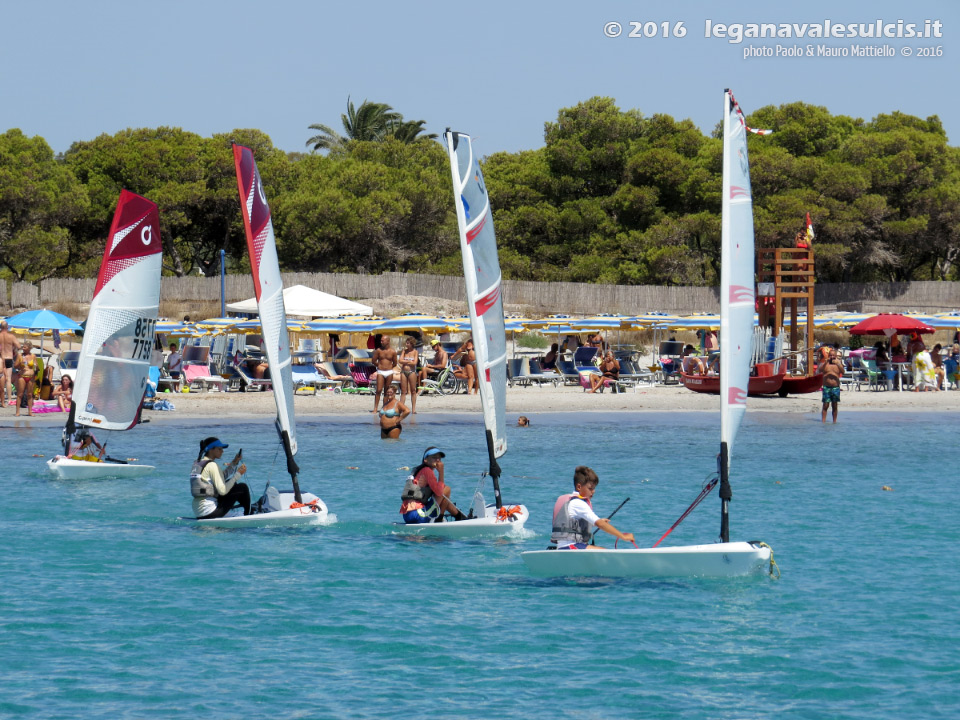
<point x="268" y="286"/>
<point x="117" y="345"/>
<point x="481" y="269"/>
<point x="736" y="274"/>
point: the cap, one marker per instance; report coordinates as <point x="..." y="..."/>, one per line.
<point x="214" y="444"/>
<point x="430" y="451"/>
<point x="434" y="342"/>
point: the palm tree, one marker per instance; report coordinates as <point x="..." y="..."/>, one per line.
<point x="409" y="131"/>
<point x="370" y="122"/>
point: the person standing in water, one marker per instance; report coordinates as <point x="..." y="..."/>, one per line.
<point x="832" y="370"/>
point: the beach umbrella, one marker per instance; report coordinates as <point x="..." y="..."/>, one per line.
<point x="173" y="328"/>
<point x="40" y="321"/>
<point x="253" y="326"/>
<point x="328" y="325"/>
<point x="945" y="321"/>
<point x="220" y="325"/>
<point x="414" y="322"/>
<point x="890" y="323"/>
<point x="647" y="320"/>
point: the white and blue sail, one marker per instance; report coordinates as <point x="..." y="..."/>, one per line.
<point x="483" y="280"/>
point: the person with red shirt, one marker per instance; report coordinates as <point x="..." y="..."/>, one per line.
<point x="425" y="496"/>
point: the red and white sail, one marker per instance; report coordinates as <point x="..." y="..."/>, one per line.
<point x="481" y="271"/>
<point x="117" y="345"/>
<point x="268" y="285"/>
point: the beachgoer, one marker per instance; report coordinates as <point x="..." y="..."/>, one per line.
<point x="897" y="353"/>
<point x="216" y="492"/>
<point x="439" y="362"/>
<point x="26" y="367"/>
<point x="710" y="341"/>
<point x="426" y="497"/>
<point x="924" y="373"/>
<point x="691" y="364"/>
<point x="9" y="347"/>
<point x="174" y="362"/>
<point x="609" y="372"/>
<point x="408" y="372"/>
<point x="467" y="370"/>
<point x="832" y="371"/>
<point x="320" y="368"/>
<point x="549" y="361"/>
<point x="574" y="518"/>
<point x="952" y="367"/>
<point x="523" y="421"/>
<point x="63" y="393"/>
<point x="385" y="363"/>
<point x="939" y="372"/>
<point x="392" y="414"/>
<point x="914" y="346"/>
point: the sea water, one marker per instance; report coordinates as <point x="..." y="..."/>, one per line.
<point x="112" y="607"/>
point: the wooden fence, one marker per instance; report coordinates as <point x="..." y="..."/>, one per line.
<point x="575" y="298"/>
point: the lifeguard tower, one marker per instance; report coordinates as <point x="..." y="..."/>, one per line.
<point x="785" y="277"/>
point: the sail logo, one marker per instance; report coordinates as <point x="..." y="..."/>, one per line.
<point x="263" y="198"/>
<point x="736" y="396"/>
<point x="474" y="231"/>
<point x="146" y="234"/>
<point x="741" y="294"/>
<point x="738" y="192"/>
<point x="487" y="301"/>
<point x="466" y="207"/>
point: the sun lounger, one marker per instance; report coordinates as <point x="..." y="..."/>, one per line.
<point x="199" y="377"/>
<point x="248" y="382"/>
<point x="308" y="377"/>
<point x="446" y="383"/>
<point x="539" y="376"/>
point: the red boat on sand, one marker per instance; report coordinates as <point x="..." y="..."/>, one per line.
<point x="756" y="385"/>
<point x="800" y="384"/>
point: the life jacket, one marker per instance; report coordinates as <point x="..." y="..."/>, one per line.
<point x="566" y="530"/>
<point x="412" y="490"/>
<point x="199" y="486"/>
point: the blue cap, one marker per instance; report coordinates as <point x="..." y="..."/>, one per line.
<point x="215" y="444"/>
<point x="432" y="451"/>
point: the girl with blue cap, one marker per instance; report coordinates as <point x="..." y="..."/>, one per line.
<point x="425" y="496"/>
<point x="216" y="492"/>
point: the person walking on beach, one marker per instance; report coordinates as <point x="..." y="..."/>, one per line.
<point x="425" y="497"/>
<point x="215" y="492"/>
<point x="385" y="363"/>
<point x="832" y="370"/>
<point x="574" y="518"/>
<point x="9" y="347"/>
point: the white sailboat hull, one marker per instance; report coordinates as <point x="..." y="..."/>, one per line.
<point x="717" y="560"/>
<point x="314" y="512"/>
<point x="69" y="469"/>
<point x="487" y="526"/>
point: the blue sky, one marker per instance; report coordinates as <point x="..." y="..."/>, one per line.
<point x="498" y="70"/>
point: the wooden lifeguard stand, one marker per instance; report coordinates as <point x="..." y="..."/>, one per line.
<point x="784" y="277"/>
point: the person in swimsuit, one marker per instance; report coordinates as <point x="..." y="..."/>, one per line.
<point x="392" y="415"/>
<point x="832" y="371"/>
<point x="437" y="365"/>
<point x="26" y="366"/>
<point x="468" y="365"/>
<point x="63" y="393"/>
<point x="385" y="362"/>
<point x="408" y="373"/>
<point x="523" y="421"/>
<point x="609" y="372"/>
<point x="9" y="347"/>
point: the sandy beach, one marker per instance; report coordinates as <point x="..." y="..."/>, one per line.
<point x="523" y="400"/>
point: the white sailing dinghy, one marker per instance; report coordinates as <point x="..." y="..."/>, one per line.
<point x="725" y="558"/>
<point x="275" y="508"/>
<point x="481" y="268"/>
<point x="113" y="368"/>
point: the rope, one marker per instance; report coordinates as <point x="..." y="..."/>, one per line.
<point x="773" y="563"/>
<point x="703" y="493"/>
<point x="634" y="544"/>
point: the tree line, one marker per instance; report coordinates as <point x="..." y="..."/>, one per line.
<point x="613" y="196"/>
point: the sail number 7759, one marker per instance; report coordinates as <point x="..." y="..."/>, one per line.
<point x="143" y="338"/>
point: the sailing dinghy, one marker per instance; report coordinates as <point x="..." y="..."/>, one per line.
<point x="113" y="368"/>
<point x="481" y="268"/>
<point x="725" y="558"/>
<point x="276" y="508"/>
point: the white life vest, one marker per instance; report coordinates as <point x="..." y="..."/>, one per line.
<point x="566" y="530"/>
<point x="200" y="487"/>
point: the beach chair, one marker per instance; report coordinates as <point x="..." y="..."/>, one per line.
<point x="875" y="376"/>
<point x="196" y="369"/>
<point x="671" y="360"/>
<point x="630" y="372"/>
<point x="539" y="376"/>
<point x="585" y="356"/>
<point x="568" y="371"/>
<point x="248" y="382"/>
<point x="515" y="371"/>
<point x="307" y="377"/>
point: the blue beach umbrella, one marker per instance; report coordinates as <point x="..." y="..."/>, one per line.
<point x="42" y="320"/>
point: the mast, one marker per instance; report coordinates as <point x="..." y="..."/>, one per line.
<point x="482" y="278"/>
<point x="268" y="284"/>
<point x="736" y="293"/>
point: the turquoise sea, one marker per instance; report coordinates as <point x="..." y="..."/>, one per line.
<point x="112" y="608"/>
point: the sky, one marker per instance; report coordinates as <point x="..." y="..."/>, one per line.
<point x="497" y="70"/>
